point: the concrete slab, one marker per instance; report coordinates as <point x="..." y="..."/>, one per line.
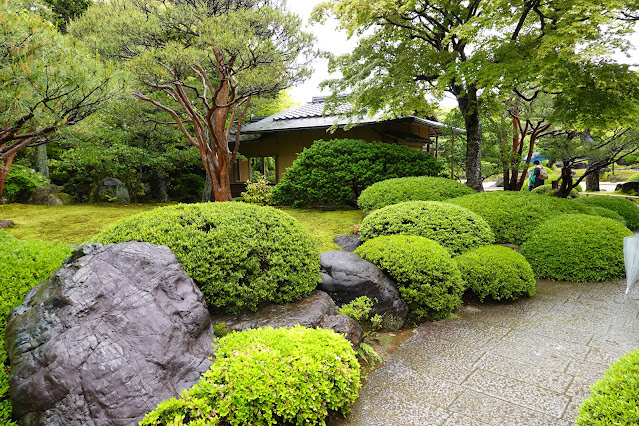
<point x="530" y="362"/>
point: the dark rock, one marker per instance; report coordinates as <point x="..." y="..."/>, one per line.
<point x="6" y="223"/>
<point x="344" y="325"/>
<point x="113" y="191"/>
<point x="348" y="242"/>
<point x="346" y="276"/>
<point x="108" y="336"/>
<point x="579" y="165"/>
<point x="46" y="196"/>
<point x="631" y="187"/>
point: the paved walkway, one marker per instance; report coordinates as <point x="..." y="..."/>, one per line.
<point x="525" y="363"/>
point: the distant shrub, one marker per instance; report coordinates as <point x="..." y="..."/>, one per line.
<point x="625" y="208"/>
<point x="614" y="400"/>
<point x="456" y="228"/>
<point x="23" y="265"/>
<point x="258" y="192"/>
<point x="267" y="377"/>
<point x="21" y="182"/>
<point x="496" y="272"/>
<point x="336" y="171"/>
<point x="428" y="278"/>
<point x="238" y="254"/>
<point x="423" y="188"/>
<point x="634" y="177"/>
<point x="577" y="247"/>
<point x="512" y="215"/>
<point x="547" y="190"/>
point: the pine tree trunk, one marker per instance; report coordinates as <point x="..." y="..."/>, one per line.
<point x="41" y="160"/>
<point x="207" y="193"/>
<point x="470" y="111"/>
<point x="160" y="192"/>
<point x="592" y="182"/>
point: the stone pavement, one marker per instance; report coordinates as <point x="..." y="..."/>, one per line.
<point x="530" y="362"/>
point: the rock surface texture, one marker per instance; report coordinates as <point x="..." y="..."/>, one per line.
<point x="6" y="224"/>
<point x="108" y="336"/>
<point x="112" y="190"/>
<point x="348" y="242"/>
<point x="628" y="187"/>
<point x="50" y="195"/>
<point x="346" y="276"/>
<point x="315" y="311"/>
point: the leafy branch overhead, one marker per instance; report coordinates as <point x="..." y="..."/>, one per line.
<point x="202" y="62"/>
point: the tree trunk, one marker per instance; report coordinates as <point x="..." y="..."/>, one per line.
<point x="207" y="193"/>
<point x="5" y="166"/>
<point x="592" y="182"/>
<point x="41" y="160"/>
<point x="160" y="192"/>
<point x="566" y="180"/>
<point x="470" y="111"/>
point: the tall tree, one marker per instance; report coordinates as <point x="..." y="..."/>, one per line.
<point x="46" y="82"/>
<point x="202" y="62"/>
<point x="420" y="49"/>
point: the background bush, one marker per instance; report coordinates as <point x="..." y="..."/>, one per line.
<point x="456" y="228"/>
<point x="547" y="190"/>
<point x="258" y="192"/>
<point x="267" y="376"/>
<point x="625" y="208"/>
<point x="633" y="177"/>
<point x="512" y="215"/>
<point x="238" y="254"/>
<point x="496" y="272"/>
<point x="614" y="400"/>
<point x="23" y="265"/>
<point x="21" y="182"/>
<point x="336" y="171"/>
<point x="424" y="188"/>
<point x="577" y="247"/>
<point x="428" y="278"/>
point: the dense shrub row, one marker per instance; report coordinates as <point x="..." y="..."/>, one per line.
<point x="456" y="228"/>
<point x="625" y="208"/>
<point x="496" y="272"/>
<point x="336" y="171"/>
<point x="512" y="215"/>
<point x="577" y="247"/>
<point x="238" y="254"/>
<point x="266" y="377"/>
<point x="427" y="277"/>
<point x="548" y="190"/>
<point x="614" y="400"/>
<point x="421" y="188"/>
<point x="23" y="264"/>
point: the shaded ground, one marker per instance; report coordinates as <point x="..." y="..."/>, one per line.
<point x="526" y="363"/>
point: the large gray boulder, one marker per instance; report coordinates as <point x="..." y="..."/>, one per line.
<point x="108" y="336"/>
<point x="631" y="187"/>
<point x="347" y="242"/>
<point x="317" y="310"/>
<point x="112" y="190"/>
<point x="346" y="276"/>
<point x="50" y="195"/>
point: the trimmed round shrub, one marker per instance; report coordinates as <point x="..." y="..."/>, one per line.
<point x="604" y="212"/>
<point x="336" y="171"/>
<point x="625" y="208"/>
<point x="422" y="188"/>
<point x="614" y="400"/>
<point x="238" y="254"/>
<point x="634" y="177"/>
<point x="456" y="228"/>
<point x="496" y="272"/>
<point x="547" y="190"/>
<point x="267" y="377"/>
<point x="427" y="277"/>
<point x="512" y="215"/>
<point x="577" y="247"/>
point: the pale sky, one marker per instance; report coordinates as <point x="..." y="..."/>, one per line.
<point x="334" y="41"/>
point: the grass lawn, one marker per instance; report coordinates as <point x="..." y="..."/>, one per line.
<point x="78" y="223"/>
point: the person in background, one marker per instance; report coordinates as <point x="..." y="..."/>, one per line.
<point x="536" y="178"/>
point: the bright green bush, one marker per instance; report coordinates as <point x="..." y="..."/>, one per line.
<point x="614" y="400"/>
<point x="267" y="377"/>
<point x="336" y="171"/>
<point x="455" y="228"/>
<point x="23" y="265"/>
<point x="547" y="190"/>
<point x="258" y="192"/>
<point x="633" y="177"/>
<point x="512" y="215"/>
<point x="238" y="254"/>
<point x="496" y="272"/>
<point x="577" y="247"/>
<point x="625" y="208"/>
<point x="423" y="188"/>
<point x="359" y="310"/>
<point x="428" y="278"/>
<point x="21" y="182"/>
<point x="604" y="212"/>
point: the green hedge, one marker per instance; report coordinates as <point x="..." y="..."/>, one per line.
<point x="496" y="272"/>
<point x="577" y="247"/>
<point x="335" y="171"/>
<point x="421" y="188"/>
<point x="547" y="190"/>
<point x="512" y="215"/>
<point x="614" y="400"/>
<point x="428" y="278"/>
<point x="456" y="228"/>
<point x="238" y="254"/>
<point x="267" y="377"/>
<point x="625" y="208"/>
<point x="604" y="212"/>
<point x="23" y="265"/>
